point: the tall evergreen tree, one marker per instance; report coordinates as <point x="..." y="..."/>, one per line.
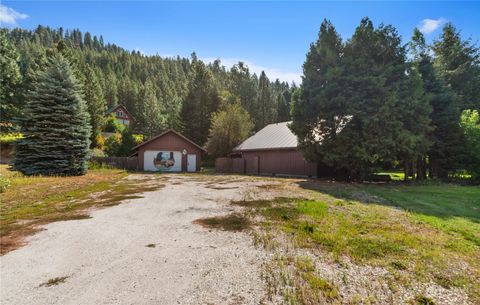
<point x="55" y="126"/>
<point x="458" y="62"/>
<point x="266" y="111"/>
<point x="95" y="103"/>
<point x="445" y="153"/>
<point x="151" y="119"/>
<point x="352" y="130"/>
<point x="10" y="79"/>
<point x="201" y="101"/>
<point x="319" y="109"/>
<point x="243" y="85"/>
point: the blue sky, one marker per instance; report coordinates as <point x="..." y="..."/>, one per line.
<point x="273" y="36"/>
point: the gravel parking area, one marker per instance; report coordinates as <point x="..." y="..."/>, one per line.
<point x="144" y="251"/>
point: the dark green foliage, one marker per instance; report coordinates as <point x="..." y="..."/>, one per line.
<point x="150" y="118"/>
<point x="445" y="153"/>
<point x="470" y="123"/>
<point x="120" y="144"/>
<point x="145" y="82"/>
<point x="95" y="103"/>
<point x="112" y="144"/>
<point x="201" y="101"/>
<point x="128" y="142"/>
<point x="56" y="124"/>
<point x="458" y="62"/>
<point x="352" y="130"/>
<point x="266" y="111"/>
<point x="9" y="83"/>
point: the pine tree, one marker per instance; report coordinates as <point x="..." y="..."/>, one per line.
<point x="244" y="85"/>
<point x="201" y="101"/>
<point x="266" y="110"/>
<point x="95" y="103"/>
<point x="151" y="120"/>
<point x="10" y="79"/>
<point x="55" y="126"/>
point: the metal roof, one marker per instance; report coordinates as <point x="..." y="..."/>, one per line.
<point x="273" y="136"/>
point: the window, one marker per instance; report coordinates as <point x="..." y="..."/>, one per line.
<point x="120" y="113"/>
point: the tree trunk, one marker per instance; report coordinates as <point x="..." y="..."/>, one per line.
<point x="406" y="170"/>
<point x="421" y="170"/>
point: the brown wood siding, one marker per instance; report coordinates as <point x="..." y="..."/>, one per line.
<point x="278" y="162"/>
<point x="171" y="142"/>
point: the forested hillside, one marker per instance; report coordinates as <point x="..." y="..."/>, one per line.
<point x="159" y="92"/>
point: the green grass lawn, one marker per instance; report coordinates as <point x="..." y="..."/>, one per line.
<point x="424" y="233"/>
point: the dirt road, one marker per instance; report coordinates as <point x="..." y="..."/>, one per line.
<point x="143" y="251"/>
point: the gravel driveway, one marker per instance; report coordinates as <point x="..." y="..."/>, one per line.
<point x="143" y="251"/>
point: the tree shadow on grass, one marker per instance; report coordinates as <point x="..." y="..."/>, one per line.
<point x="440" y="199"/>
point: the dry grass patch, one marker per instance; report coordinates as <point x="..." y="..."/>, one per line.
<point x="231" y="222"/>
<point x="31" y="201"/>
<point x="55" y="281"/>
<point x="408" y="250"/>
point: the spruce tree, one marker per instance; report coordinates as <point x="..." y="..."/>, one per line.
<point x="56" y="124"/>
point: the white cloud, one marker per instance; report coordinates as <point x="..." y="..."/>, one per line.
<point x="10" y="16"/>
<point x="428" y="26"/>
<point x="272" y="73"/>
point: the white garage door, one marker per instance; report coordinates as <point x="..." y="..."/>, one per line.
<point x="162" y="161"/>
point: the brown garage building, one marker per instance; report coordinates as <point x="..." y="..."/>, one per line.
<point x="169" y="152"/>
<point x="271" y="151"/>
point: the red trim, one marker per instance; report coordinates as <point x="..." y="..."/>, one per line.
<point x="164" y="133"/>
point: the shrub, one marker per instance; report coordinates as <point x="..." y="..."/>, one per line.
<point x="4" y="183"/>
<point x="112" y="144"/>
<point x="100" y="140"/>
<point x="112" y="125"/>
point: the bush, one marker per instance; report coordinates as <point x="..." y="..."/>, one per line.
<point x="100" y="140"/>
<point x="112" y="125"/>
<point x="4" y="183"/>
<point x="112" y="144"/>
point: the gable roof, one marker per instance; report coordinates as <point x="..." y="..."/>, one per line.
<point x="272" y="136"/>
<point x="164" y="133"/>
<point x="114" y="108"/>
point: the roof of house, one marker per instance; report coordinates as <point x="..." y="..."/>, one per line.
<point x="164" y="133"/>
<point x="273" y="136"/>
<point x="114" y="108"/>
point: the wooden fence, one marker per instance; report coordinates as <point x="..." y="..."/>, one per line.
<point x="128" y="163"/>
<point x="230" y="165"/>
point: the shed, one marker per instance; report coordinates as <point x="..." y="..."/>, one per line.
<point x="170" y="151"/>
<point x="273" y="151"/>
